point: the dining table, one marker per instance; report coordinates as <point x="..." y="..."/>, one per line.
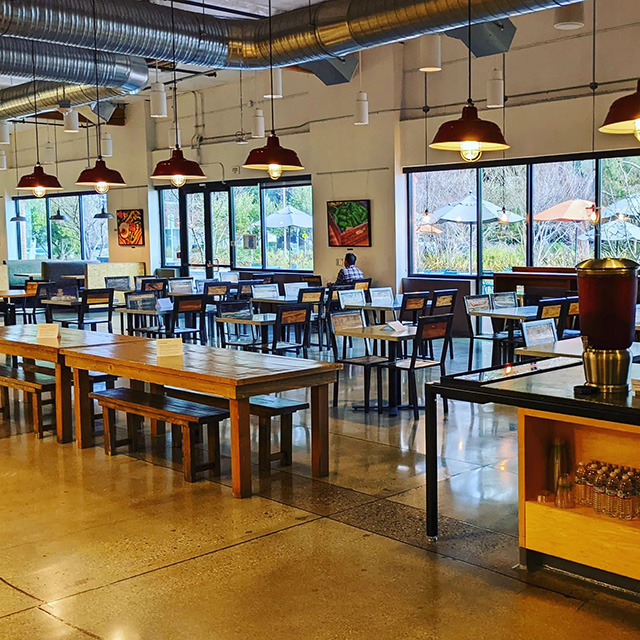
<point x="387" y="334"/>
<point x="22" y="341"/>
<point x="569" y="348"/>
<point x="235" y="375"/>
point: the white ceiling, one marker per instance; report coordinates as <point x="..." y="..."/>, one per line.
<point x="257" y="7"/>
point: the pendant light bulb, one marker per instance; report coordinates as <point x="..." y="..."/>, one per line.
<point x="274" y="171"/>
<point x="3" y="160"/>
<point x="470" y="151"/>
<point x="504" y="216"/>
<point x="39" y="192"/>
<point x="277" y="85"/>
<point x="361" y="115"/>
<point x="5" y="137"/>
<point x="71" y="122"/>
<point x="178" y="181"/>
<point x="431" y="53"/>
<point x="102" y="187"/>
<point x="258" y="129"/>
<point x="158" y="107"/>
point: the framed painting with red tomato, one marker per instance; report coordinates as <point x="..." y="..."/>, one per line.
<point x="130" y="227"/>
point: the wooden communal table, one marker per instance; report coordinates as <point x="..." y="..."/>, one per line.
<point x="22" y="340"/>
<point x="235" y="375"/>
<point x="394" y="338"/>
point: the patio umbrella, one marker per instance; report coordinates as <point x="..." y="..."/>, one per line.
<point x="569" y="211"/>
<point x="465" y="212"/>
<point x="289" y="216"/>
<point x="614" y="231"/>
<point x="626" y="206"/>
<point x="428" y="228"/>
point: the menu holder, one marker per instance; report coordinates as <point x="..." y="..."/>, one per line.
<point x="396" y="325"/>
<point x="169" y="348"/>
<point x="164" y="304"/>
<point x="48" y="331"/>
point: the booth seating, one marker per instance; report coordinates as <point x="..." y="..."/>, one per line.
<point x="187" y="415"/>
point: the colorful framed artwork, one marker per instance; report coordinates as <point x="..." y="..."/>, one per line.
<point x="349" y="223"/>
<point x="130" y="227"/>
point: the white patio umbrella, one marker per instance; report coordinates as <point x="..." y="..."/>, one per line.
<point x="465" y="212"/>
<point x="614" y="231"/>
<point x="625" y="206"/>
<point x="289" y="216"/>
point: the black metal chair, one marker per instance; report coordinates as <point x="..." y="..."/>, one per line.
<point x="443" y="302"/>
<point x="191" y="310"/>
<point x="314" y="297"/>
<point x="235" y="339"/>
<point x="314" y="281"/>
<point x="290" y="317"/>
<point x="94" y="304"/>
<point x="482" y="302"/>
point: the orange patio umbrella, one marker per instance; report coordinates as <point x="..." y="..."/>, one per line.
<point x="568" y="211"/>
<point x="429" y="228"/>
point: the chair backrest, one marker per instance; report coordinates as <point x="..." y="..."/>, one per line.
<point x="414" y="305"/>
<point x="435" y="327"/>
<point x="96" y="297"/>
<point x="296" y="316"/>
<point x="141" y="300"/>
<point x="291" y="289"/>
<point x="229" y="276"/>
<point x="265" y="291"/>
<point x="245" y="288"/>
<point x="215" y="290"/>
<point x="353" y="319"/>
<point x="181" y="285"/>
<point x="264" y="278"/>
<point x="156" y="284"/>
<point x="311" y="295"/>
<point x="551" y="308"/>
<point x="443" y="301"/>
<point x="573" y="307"/>
<point x="118" y="283"/>
<point x="480" y="302"/>
<point x="63" y="291"/>
<point x="44" y="290"/>
<point x="382" y="296"/>
<point x="31" y="288"/>
<point x="139" y="280"/>
<point x="314" y="281"/>
<point x="362" y="283"/>
<point x="504" y="299"/>
<point x="539" y="332"/>
<point x="352" y="298"/>
<point x="232" y="307"/>
<point x="188" y="304"/>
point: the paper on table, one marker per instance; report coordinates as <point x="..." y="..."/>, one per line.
<point x="169" y="347"/>
<point x="396" y="325"/>
<point x="48" y="331"/>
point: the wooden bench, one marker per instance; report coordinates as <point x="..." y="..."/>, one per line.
<point x="32" y="384"/>
<point x="265" y="408"/>
<point x="189" y="416"/>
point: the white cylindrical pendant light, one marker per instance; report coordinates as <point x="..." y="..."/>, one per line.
<point x="5" y="137"/>
<point x="71" y="122"/>
<point x="431" y="53"/>
<point x="361" y="115"/>
<point x="107" y="145"/>
<point x="257" y="131"/>
<point x="3" y="160"/>
<point x="158" y="108"/>
<point x="277" y="85"/>
<point x="48" y="154"/>
<point x="569" y="16"/>
<point x="495" y="90"/>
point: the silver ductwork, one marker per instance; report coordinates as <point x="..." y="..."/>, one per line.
<point x="331" y="28"/>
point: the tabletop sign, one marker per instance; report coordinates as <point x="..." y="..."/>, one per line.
<point x="169" y="347"/>
<point x="396" y="325"/>
<point x="164" y="304"/>
<point x="49" y="331"/>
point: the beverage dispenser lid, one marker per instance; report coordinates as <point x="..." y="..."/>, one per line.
<point x="600" y="265"/>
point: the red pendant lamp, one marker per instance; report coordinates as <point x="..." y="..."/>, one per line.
<point x="624" y="116"/>
<point x="273" y="158"/>
<point x="177" y="170"/>
<point x="470" y="135"/>
<point x="100" y="177"/>
<point x="38" y="182"/>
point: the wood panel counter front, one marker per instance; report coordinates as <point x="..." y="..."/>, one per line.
<point x="235" y="375"/>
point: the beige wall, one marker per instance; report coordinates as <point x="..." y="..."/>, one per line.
<point x="366" y="162"/>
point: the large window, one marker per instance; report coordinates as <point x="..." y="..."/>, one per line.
<point x="554" y="212"/>
<point x="245" y="225"/>
<point x="79" y="235"/>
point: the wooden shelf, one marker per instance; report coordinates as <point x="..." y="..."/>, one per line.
<point x="583" y="536"/>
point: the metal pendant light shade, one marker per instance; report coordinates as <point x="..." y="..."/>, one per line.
<point x="624" y="116"/>
<point x="158" y="108"/>
<point x="100" y="177"/>
<point x="361" y="115"/>
<point x="258" y="130"/>
<point x="5" y="137"/>
<point x="3" y="160"/>
<point x="18" y="218"/>
<point x="71" y="122"/>
<point x="569" y="17"/>
<point x="58" y="217"/>
<point x="431" y="53"/>
<point x="470" y="135"/>
<point x="273" y="158"/>
<point x="495" y="90"/>
<point x="39" y="182"/>
<point x="103" y="215"/>
<point x="178" y="170"/>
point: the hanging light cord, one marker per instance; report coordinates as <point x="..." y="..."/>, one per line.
<point x="35" y="99"/>
<point x="95" y="63"/>
<point x="469" y="99"/>
<point x="175" y="77"/>
<point x="360" y="68"/>
<point x="241" y="107"/>
<point x="426" y="136"/>
<point x="594" y="85"/>
<point x="504" y="99"/>
<point x="273" y="117"/>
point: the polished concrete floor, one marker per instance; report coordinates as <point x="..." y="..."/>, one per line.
<point x="123" y="549"/>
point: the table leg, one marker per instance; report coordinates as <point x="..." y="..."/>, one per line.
<point x="431" y="432"/>
<point x="157" y="426"/>
<point x="320" y="431"/>
<point x="84" y="426"/>
<point x="264" y="337"/>
<point x="64" y="406"/>
<point x="240" y="448"/>
<point x="393" y="380"/>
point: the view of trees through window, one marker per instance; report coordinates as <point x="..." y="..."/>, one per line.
<point x="78" y="236"/>
<point x="444" y="214"/>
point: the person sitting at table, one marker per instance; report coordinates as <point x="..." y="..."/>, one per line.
<point x="349" y="273"/>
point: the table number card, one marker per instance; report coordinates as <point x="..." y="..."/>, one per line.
<point x="169" y="348"/>
<point x="396" y="325"/>
<point x="49" y="331"/>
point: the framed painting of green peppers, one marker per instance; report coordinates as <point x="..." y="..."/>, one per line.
<point x="349" y="223"/>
